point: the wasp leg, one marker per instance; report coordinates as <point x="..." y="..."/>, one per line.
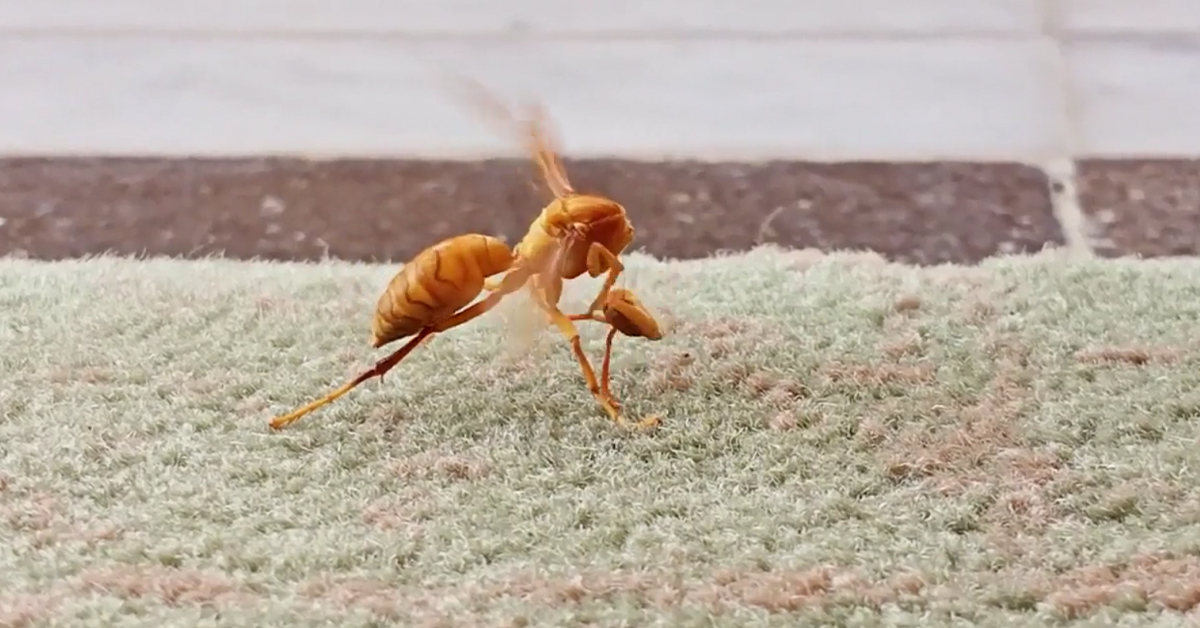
<point x="567" y="328"/>
<point x="511" y="283"/>
<point x="608" y="344"/>
<point x="381" y="367"/>
<point x="605" y="374"/>
<point x="600" y="260"/>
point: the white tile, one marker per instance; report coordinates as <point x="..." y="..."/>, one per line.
<point x="1136" y="98"/>
<point x="1128" y="16"/>
<point x="851" y="99"/>
<point x="544" y="16"/>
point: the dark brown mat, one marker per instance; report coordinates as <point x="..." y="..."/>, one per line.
<point x="1150" y="207"/>
<point x="387" y="210"/>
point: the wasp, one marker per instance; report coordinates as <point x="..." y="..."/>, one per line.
<point x="575" y="233"/>
<point x="624" y="313"/>
<point x="428" y="296"/>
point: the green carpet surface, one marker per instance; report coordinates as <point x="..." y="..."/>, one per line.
<point x="844" y="440"/>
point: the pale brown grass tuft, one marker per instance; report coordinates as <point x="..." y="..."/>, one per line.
<point x="879" y="374"/>
<point x="981" y="448"/>
<point x="402" y="512"/>
<point x="252" y="405"/>
<point x="787" y="591"/>
<point x="981" y="310"/>
<point x="728" y="341"/>
<point x="372" y="596"/>
<point x="32" y="511"/>
<point x="38" y="514"/>
<point x="85" y="374"/>
<point x="969" y="449"/>
<point x="205" y="386"/>
<point x="267" y="305"/>
<point x="586" y="587"/>
<point x="871" y="432"/>
<point x="1022" y="509"/>
<point x="434" y="463"/>
<point x="672" y="371"/>
<point x="724" y="335"/>
<point x="76" y="533"/>
<point x="460" y="468"/>
<point x="721" y="348"/>
<point x="905" y="344"/>
<point x="724" y="592"/>
<point x="782" y="422"/>
<point x="758" y="383"/>
<point x="781" y="395"/>
<point x="732" y="374"/>
<point x="1172" y="583"/>
<point x="978" y="433"/>
<point x="170" y="585"/>
<point x="1130" y="355"/>
<point x="718" y="327"/>
<point x="862" y="591"/>
<point x="352" y="357"/>
<point x="25" y="610"/>
<point x="980" y="305"/>
<point x="775" y="592"/>
<point x="793" y="388"/>
<point x="387" y="420"/>
<point x="957" y="453"/>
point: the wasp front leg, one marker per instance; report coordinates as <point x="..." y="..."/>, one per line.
<point x="599" y="261"/>
<point x="610" y="405"/>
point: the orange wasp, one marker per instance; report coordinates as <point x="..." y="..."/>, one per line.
<point x="574" y="233"/>
<point x="431" y="293"/>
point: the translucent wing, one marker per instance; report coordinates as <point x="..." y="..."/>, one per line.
<point x="534" y="132"/>
<point x="524" y="324"/>
<point x="544" y="144"/>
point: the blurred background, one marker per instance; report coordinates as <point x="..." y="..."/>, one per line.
<point x="930" y="131"/>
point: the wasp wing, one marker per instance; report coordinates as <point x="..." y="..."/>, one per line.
<point x="534" y="133"/>
<point x="545" y="146"/>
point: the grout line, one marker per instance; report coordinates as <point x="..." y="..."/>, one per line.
<point x="1067" y="209"/>
<point x="521" y="34"/>
<point x="1064" y="194"/>
<point x="517" y="35"/>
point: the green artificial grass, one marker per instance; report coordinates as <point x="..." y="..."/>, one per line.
<point x="848" y="441"/>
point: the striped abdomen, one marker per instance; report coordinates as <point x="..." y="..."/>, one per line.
<point x="436" y="283"/>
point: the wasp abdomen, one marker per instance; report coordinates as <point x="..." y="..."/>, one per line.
<point x="436" y="283"/>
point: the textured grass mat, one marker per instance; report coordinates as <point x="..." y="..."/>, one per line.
<point x="844" y="440"/>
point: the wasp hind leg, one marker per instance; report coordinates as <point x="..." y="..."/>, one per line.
<point x="511" y="283"/>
